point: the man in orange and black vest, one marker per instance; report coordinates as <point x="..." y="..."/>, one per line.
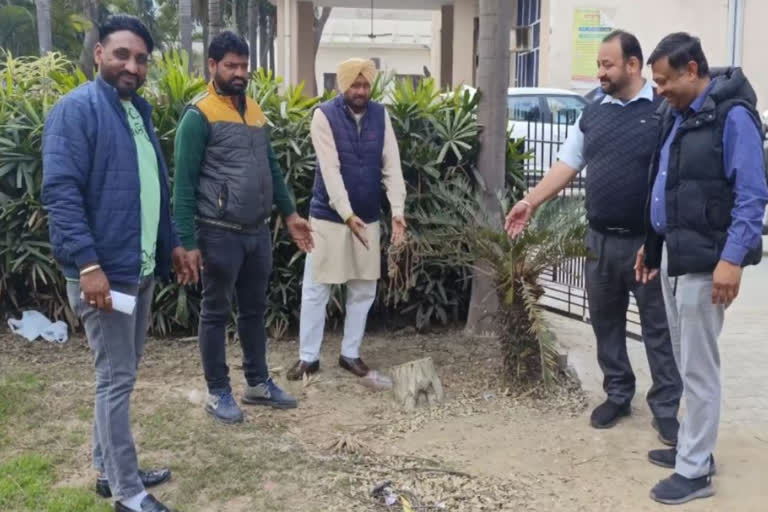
<point x="227" y="179"/>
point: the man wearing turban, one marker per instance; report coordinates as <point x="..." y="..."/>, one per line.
<point x="356" y="153"/>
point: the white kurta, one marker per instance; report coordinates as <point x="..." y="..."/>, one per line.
<point x="338" y="255"/>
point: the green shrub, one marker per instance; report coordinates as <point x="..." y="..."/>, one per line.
<point x="438" y="137"/>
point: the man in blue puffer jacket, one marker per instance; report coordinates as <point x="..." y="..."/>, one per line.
<point x="105" y="187"/>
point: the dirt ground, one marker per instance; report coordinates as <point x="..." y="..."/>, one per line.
<point x="482" y="449"/>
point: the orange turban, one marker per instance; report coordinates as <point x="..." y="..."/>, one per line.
<point x="349" y="70"/>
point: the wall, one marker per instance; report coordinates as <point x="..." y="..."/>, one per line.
<point x="464" y="13"/>
<point x="755" y="45"/>
<point x="398" y="60"/>
<point x="649" y="20"/>
<point x="405" y="51"/>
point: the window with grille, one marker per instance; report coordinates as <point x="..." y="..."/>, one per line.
<point x="527" y="41"/>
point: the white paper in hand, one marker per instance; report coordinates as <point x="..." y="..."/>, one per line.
<point x="121" y="302"/>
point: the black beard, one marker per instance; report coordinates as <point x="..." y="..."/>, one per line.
<point x="609" y="88"/>
<point x="123" y="92"/>
<point x="228" y="89"/>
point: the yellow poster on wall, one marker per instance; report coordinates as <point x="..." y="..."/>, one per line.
<point x="590" y="26"/>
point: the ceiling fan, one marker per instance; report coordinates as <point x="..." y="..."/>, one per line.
<point x="373" y="36"/>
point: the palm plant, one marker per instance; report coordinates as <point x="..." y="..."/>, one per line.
<point x="170" y="88"/>
<point x="466" y="232"/>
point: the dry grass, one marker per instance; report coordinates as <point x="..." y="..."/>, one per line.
<point x="275" y="460"/>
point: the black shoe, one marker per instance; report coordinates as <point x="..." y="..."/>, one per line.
<point x="608" y="413"/>
<point x="355" y="366"/>
<point x="667" y="429"/>
<point x="666" y="459"/>
<point x="149" y="478"/>
<point x="678" y="489"/>
<point x="298" y="370"/>
<point x="148" y="504"/>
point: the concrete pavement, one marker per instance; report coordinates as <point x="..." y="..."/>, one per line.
<point x="743" y="353"/>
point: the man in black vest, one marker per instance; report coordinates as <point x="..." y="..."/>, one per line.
<point x="227" y="179"/>
<point x="707" y="203"/>
<point x="615" y="138"/>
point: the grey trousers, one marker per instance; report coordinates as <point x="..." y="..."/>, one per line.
<point x="610" y="278"/>
<point x="695" y="324"/>
<point x="117" y="343"/>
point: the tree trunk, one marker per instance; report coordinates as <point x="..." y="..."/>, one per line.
<point x="214" y="19"/>
<point x="416" y="383"/>
<point x="240" y="17"/>
<point x="492" y="82"/>
<point x="90" y="11"/>
<point x="214" y="28"/>
<point x="44" y="34"/>
<point x="253" y="33"/>
<point x="234" y="26"/>
<point x="185" y="29"/>
<point x="266" y="37"/>
<point x="321" y="18"/>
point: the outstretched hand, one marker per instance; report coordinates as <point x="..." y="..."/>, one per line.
<point x="517" y="218"/>
<point x="301" y="232"/>
<point x="398" y="230"/>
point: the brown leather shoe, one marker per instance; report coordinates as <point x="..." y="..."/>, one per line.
<point x="298" y="370"/>
<point x="356" y="366"/>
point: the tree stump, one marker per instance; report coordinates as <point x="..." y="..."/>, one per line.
<point x="416" y="383"/>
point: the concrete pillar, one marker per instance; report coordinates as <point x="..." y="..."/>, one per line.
<point x="464" y="51"/>
<point x="287" y="42"/>
<point x="446" y="46"/>
<point x="305" y="54"/>
<point x="435" y="48"/>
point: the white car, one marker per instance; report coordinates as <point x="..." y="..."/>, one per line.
<point x="543" y="117"/>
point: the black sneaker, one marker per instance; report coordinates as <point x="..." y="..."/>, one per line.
<point x="608" y="414"/>
<point x="667" y="429"/>
<point x="222" y="406"/>
<point x="666" y="459"/>
<point x="678" y="489"/>
<point x="268" y="393"/>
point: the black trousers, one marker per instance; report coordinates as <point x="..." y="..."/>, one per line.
<point x="234" y="264"/>
<point x="610" y="277"/>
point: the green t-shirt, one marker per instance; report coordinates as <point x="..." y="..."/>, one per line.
<point x="150" y="188"/>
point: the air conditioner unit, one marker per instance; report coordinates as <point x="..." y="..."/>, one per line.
<point x="521" y="39"/>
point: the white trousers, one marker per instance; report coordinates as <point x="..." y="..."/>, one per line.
<point x="695" y="325"/>
<point x="314" y="299"/>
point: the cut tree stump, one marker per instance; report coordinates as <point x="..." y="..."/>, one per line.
<point x="416" y="383"/>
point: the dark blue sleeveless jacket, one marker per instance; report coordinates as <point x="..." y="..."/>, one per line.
<point x="360" y="156"/>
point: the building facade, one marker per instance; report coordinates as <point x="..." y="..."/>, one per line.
<point x="553" y="43"/>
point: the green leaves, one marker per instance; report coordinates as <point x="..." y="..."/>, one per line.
<point x="464" y="232"/>
<point x="437" y="134"/>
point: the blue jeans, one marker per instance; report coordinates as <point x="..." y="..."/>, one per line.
<point x="239" y="264"/>
<point x="117" y="343"/>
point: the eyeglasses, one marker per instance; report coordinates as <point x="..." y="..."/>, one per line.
<point x="124" y="54"/>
